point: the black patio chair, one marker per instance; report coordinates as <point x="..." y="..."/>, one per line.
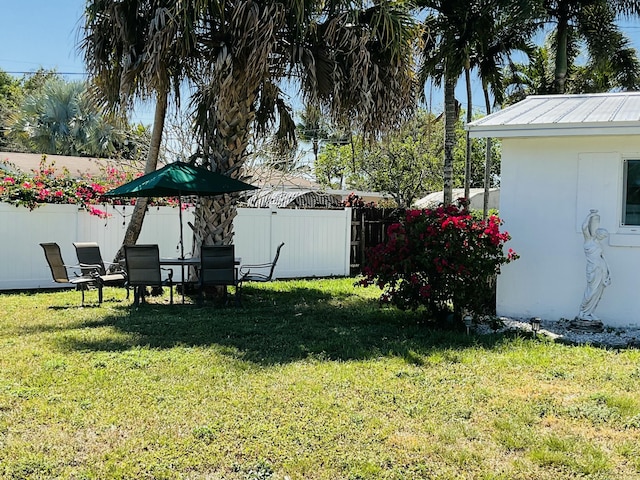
<point x="261" y="272"/>
<point x="90" y="260"/>
<point x="60" y="275"/>
<point x="143" y="270"/>
<point x="217" y="268"/>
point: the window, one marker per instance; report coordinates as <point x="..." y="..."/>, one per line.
<point x="631" y="207"/>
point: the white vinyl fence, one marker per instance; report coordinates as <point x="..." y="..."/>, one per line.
<point x="316" y="241"/>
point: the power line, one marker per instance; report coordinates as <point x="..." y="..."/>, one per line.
<point x="54" y="71"/>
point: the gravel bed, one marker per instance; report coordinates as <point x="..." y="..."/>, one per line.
<point x="560" y="331"/>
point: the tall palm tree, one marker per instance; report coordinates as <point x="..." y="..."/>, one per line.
<point x="137" y="49"/>
<point x="620" y="72"/>
<point x="594" y="23"/>
<point x="444" y="56"/>
<point x="506" y="29"/>
<point x="460" y="35"/>
<point x="354" y="63"/>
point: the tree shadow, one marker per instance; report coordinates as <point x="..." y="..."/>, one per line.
<point x="276" y="327"/>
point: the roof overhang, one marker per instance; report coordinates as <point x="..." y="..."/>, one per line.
<point x="553" y="130"/>
<point x="563" y="116"/>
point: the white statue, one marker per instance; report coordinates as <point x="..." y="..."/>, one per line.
<point x="598" y="275"/>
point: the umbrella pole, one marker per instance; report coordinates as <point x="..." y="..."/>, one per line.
<point x="180" y="216"/>
<point x="181" y="244"/>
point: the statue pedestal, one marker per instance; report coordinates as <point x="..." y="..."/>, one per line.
<point x="586" y="326"/>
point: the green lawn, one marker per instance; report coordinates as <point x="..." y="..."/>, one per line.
<point x="308" y="380"/>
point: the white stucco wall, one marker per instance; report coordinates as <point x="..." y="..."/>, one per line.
<point x="548" y="186"/>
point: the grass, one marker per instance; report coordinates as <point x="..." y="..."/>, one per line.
<point x="308" y="380"/>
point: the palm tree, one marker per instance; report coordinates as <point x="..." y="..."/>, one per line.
<point x="535" y="77"/>
<point x="311" y="128"/>
<point x="594" y="23"/>
<point x="60" y="118"/>
<point x="445" y="54"/>
<point x="621" y="71"/>
<point x="354" y="64"/>
<point x="503" y="31"/>
<point x="138" y="50"/>
<point x="460" y="35"/>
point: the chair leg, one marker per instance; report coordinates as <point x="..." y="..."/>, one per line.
<point x="237" y="295"/>
<point x="100" y="294"/>
<point x="138" y="295"/>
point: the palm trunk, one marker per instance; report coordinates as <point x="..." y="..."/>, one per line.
<point x="561" y="66"/>
<point x="467" y="160"/>
<point x="487" y="160"/>
<point x="449" y="136"/>
<point x="225" y="146"/>
<point x="137" y="217"/>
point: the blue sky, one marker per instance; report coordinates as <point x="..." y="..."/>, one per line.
<point x="35" y="33"/>
<point x="45" y="33"/>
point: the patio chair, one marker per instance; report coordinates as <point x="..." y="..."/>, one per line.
<point x="261" y="272"/>
<point x="143" y="270"/>
<point x="60" y="275"/>
<point x="90" y="260"/>
<point x="217" y="268"/>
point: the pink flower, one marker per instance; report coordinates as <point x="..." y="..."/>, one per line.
<point x="98" y="213"/>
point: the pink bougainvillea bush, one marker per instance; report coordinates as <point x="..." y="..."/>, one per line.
<point x="440" y="259"/>
<point x="44" y="185"/>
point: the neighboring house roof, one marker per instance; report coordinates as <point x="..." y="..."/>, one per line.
<point x="476" y="197"/>
<point x="77" y="166"/>
<point x="293" y="199"/>
<point x="563" y="115"/>
<point x="364" y="196"/>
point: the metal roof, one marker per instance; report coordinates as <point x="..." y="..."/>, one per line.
<point x="266" y="198"/>
<point x="564" y="115"/>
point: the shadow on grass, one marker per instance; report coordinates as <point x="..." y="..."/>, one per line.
<point x="279" y="327"/>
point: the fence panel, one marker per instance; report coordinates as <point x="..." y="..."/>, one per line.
<point x="315" y="240"/>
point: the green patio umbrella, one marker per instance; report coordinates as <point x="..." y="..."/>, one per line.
<point x="180" y="179"/>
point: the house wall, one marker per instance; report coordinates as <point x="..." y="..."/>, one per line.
<point x="316" y="241"/>
<point x="548" y="186"/>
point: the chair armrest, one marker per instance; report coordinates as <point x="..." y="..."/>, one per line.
<point x="117" y="266"/>
<point x="80" y="266"/>
<point x="246" y="268"/>
<point x="170" y="270"/>
<point x="89" y="265"/>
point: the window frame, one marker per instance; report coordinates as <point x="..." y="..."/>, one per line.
<point x="624" y="221"/>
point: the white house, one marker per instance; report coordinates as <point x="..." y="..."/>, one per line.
<point x="563" y="155"/>
<point x="476" y="198"/>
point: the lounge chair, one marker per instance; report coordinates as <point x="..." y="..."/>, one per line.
<point x="60" y="275"/>
<point x="143" y="270"/>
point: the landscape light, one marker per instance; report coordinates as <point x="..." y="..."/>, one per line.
<point x="535" y="325"/>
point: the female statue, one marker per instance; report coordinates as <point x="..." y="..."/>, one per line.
<point x="598" y="276"/>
